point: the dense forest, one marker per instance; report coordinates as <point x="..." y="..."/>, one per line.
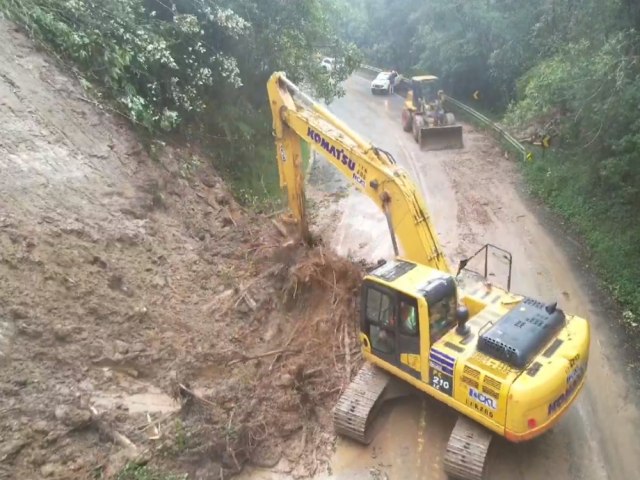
<point x="197" y="69"/>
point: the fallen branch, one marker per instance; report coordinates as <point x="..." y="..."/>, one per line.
<point x="280" y="228"/>
<point x="245" y="289"/>
<point x="116" y="436"/>
<point x="250" y="301"/>
<point x="206" y="200"/>
<point x="228" y="212"/>
<point x="277" y="213"/>
<point x="347" y="349"/>
<point x="335" y="287"/>
<point x="229" y="449"/>
<point x="124" y="441"/>
<point x="286" y="345"/>
<point x="196" y="396"/>
<point x="246" y="358"/>
<point x="209" y="307"/>
<point x="312" y="372"/>
<point x="163" y="418"/>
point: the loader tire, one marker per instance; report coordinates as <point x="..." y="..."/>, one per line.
<point x="450" y="119"/>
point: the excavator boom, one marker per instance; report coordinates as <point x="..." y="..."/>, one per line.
<point x="370" y="169"/>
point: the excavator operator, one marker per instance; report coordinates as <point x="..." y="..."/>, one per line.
<point x="408" y="319"/>
<point x="438" y="114"/>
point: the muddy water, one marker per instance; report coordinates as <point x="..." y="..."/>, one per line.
<point x="474" y="196"/>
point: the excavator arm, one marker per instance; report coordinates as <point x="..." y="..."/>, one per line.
<point x="296" y="118"/>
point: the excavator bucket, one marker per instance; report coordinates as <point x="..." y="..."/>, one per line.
<point x="441" y="138"/>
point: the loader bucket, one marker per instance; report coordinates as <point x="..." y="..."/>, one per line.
<point x="441" y="138"/>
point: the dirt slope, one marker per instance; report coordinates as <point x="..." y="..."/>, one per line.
<point x="143" y="314"/>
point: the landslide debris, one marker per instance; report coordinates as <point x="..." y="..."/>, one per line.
<point x="144" y="315"/>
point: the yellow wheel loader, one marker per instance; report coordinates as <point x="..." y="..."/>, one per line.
<point x="511" y="365"/>
<point x="424" y="116"/>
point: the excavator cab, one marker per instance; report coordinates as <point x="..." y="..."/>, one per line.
<point x="424" y="115"/>
<point x="390" y="319"/>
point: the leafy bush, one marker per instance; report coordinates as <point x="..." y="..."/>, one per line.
<point x="160" y="72"/>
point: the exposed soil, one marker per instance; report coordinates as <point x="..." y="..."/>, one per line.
<point x="143" y="314"/>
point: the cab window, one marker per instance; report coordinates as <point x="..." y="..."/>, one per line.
<point x="441" y="296"/>
<point x="379" y="315"/>
<point x="408" y="317"/>
<point x="441" y="317"/>
<point x="379" y="307"/>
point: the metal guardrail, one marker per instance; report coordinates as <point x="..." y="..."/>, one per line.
<point x="477" y="116"/>
<point x="502" y="133"/>
<point x="370" y="68"/>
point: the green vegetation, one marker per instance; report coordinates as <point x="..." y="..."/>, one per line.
<point x="133" y="471"/>
<point x="196" y="69"/>
<point x="569" y="68"/>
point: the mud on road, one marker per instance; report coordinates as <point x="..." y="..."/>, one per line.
<point x="143" y="314"/>
<point x="475" y="196"/>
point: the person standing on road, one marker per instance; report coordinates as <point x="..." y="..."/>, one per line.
<point x="392" y="81"/>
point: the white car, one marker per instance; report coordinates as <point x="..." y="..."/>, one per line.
<point x="327" y="64"/>
<point x="381" y="84"/>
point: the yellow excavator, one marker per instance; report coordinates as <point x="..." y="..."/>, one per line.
<point x="510" y="364"/>
<point x="423" y="114"/>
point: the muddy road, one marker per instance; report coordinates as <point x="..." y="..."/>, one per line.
<point x="475" y="196"/>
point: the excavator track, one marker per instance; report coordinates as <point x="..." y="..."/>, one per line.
<point x="467" y="450"/>
<point x="355" y="411"/>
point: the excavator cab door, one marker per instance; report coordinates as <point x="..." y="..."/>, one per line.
<point x="390" y="321"/>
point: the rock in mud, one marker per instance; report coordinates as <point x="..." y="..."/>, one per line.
<point x="71" y="416"/>
<point x="42" y="427"/>
<point x="222" y="198"/>
<point x="29" y="331"/>
<point x="49" y="470"/>
<point x="18" y="313"/>
<point x="98" y="261"/>
<point x="61" y="332"/>
<point x="285" y="380"/>
<point x="12" y="448"/>
<point x="121" y="347"/>
<point x="209" y="180"/>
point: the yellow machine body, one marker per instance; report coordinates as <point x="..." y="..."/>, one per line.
<point x="506" y="361"/>
<point x="517" y="403"/>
